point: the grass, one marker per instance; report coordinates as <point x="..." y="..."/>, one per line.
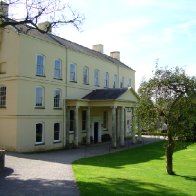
<point x="138" y="171"/>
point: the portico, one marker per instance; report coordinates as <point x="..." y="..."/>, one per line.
<point x="91" y="117"/>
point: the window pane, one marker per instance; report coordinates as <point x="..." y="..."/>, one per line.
<point x="3" y="96"/>
<point x="39" y="96"/>
<point x="71" y="120"/>
<point x="105" y="119"/>
<point x="57" y="98"/>
<point x="40" y="65"/>
<point x="57" y="69"/>
<point x="115" y="81"/>
<point x="84" y="113"/>
<point x="72" y="72"/>
<point x="129" y="82"/>
<point x="39" y="132"/>
<point x="85" y="75"/>
<point x="107" y="79"/>
<point x="122" y="82"/>
<point x="56" y="131"/>
<point x="96" y="77"/>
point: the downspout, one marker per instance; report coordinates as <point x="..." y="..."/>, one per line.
<point x="65" y="139"/>
<point x="64" y="123"/>
<point x="118" y="76"/>
<point x="66" y="73"/>
<point x="1" y="37"/>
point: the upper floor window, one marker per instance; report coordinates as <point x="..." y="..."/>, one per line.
<point x="57" y="98"/>
<point x="56" y="132"/>
<point x="107" y="80"/>
<point x="73" y="72"/>
<point x="122" y="82"/>
<point x="40" y="61"/>
<point x="2" y="96"/>
<point x="57" y="69"/>
<point x="39" y="96"/>
<point x="39" y="133"/>
<point x="86" y="75"/>
<point x="96" y="77"/>
<point x="115" y="81"/>
<point x="129" y="82"/>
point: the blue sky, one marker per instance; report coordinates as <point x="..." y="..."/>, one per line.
<point x="142" y="30"/>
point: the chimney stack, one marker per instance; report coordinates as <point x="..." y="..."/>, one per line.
<point x="98" y="48"/>
<point x="115" y="55"/>
<point x="4" y="9"/>
<point x="44" y="25"/>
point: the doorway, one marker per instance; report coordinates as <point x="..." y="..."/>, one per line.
<point x="96" y="130"/>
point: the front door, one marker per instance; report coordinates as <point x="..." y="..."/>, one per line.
<point x="96" y="128"/>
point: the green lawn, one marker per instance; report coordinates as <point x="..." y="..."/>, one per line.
<point x="138" y="171"/>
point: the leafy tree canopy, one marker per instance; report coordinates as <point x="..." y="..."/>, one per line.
<point x="168" y="97"/>
<point x="168" y="102"/>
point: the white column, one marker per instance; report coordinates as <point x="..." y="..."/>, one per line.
<point x="67" y="125"/>
<point x="118" y="125"/>
<point x="122" y="131"/>
<point x="114" y="127"/>
<point x="88" y="133"/>
<point x="76" y="127"/>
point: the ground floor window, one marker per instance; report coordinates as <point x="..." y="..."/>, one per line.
<point x="84" y="113"/>
<point x="56" y="132"/>
<point x="39" y="133"/>
<point x="71" y="129"/>
<point x="2" y="96"/>
<point x="105" y="120"/>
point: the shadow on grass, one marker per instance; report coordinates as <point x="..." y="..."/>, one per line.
<point x="124" y="187"/>
<point x="154" y="151"/>
<point x="191" y="178"/>
<point x="130" y="156"/>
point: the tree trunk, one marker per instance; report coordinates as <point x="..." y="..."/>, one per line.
<point x="169" y="154"/>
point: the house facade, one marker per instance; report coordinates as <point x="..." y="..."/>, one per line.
<point x="55" y="93"/>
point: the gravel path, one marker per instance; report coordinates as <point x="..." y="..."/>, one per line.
<point x="48" y="173"/>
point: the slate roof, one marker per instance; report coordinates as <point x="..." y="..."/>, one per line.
<point x="104" y="94"/>
<point x="67" y="44"/>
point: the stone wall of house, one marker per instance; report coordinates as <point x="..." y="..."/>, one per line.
<point x="2" y="159"/>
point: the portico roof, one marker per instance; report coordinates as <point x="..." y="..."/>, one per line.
<point x="107" y="93"/>
<point x="125" y="97"/>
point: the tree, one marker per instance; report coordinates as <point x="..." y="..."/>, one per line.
<point x="54" y="11"/>
<point x="169" y="99"/>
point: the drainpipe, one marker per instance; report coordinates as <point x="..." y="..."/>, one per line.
<point x="66" y="73"/>
<point x="64" y="123"/>
<point x="64" y="104"/>
<point x="118" y="76"/>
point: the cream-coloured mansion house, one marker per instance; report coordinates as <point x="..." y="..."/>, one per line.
<point x="55" y="93"/>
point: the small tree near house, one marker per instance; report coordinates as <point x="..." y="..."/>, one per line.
<point x="169" y="98"/>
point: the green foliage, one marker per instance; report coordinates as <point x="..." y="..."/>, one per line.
<point x="138" y="171"/>
<point x="168" y="98"/>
